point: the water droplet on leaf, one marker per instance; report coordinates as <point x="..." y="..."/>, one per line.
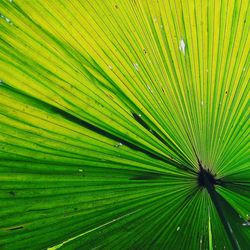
<point x="182" y="46"/>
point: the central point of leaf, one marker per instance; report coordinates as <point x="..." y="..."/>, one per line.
<point x="206" y="178"/>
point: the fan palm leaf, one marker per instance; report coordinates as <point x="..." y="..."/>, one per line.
<point x="124" y="124"/>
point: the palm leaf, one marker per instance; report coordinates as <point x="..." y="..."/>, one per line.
<point x="123" y="124"/>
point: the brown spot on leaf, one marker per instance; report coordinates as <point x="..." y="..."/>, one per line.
<point x="16" y="228"/>
<point x="12" y="193"/>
